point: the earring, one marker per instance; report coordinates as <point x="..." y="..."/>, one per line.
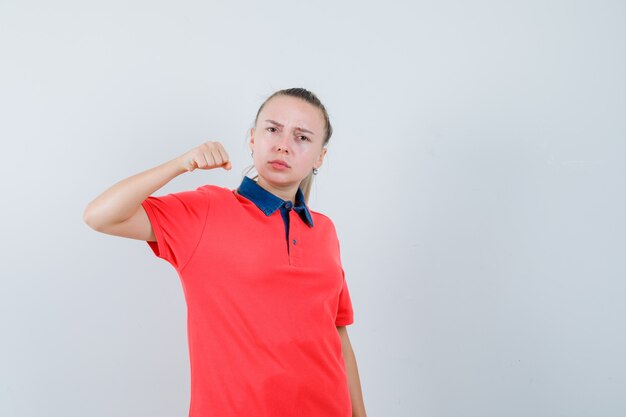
<point x="314" y="171"/>
<point x="252" y="154"/>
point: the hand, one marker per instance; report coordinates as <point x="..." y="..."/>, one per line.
<point x="209" y="155"/>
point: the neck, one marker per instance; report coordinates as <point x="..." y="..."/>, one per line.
<point x="287" y="193"/>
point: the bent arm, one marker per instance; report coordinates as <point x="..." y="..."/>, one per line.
<point x="354" y="383"/>
<point x="118" y="211"/>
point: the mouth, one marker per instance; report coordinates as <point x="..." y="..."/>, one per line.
<point x="279" y="162"/>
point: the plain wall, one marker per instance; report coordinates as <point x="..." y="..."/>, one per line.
<point x="476" y="177"/>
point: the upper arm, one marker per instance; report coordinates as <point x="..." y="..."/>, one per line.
<point x="137" y="226"/>
<point x="345" y="339"/>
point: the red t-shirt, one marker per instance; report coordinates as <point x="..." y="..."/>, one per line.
<point x="261" y="320"/>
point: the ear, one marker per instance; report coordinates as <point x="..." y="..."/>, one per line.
<point x="320" y="160"/>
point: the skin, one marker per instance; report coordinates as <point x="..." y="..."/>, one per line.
<point x="352" y="372"/>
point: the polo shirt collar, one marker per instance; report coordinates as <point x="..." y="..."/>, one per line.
<point x="268" y="203"/>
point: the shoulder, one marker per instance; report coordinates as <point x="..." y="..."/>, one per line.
<point x="202" y="196"/>
<point x="211" y="188"/>
<point x="214" y="191"/>
<point x="220" y="196"/>
<point x="321" y="219"/>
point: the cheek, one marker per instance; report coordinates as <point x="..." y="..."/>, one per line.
<point x="312" y="152"/>
<point x="264" y="144"/>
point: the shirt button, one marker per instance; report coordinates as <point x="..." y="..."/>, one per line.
<point x="294" y="241"/>
<point x="288" y="204"/>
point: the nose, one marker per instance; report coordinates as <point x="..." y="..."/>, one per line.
<point x="281" y="146"/>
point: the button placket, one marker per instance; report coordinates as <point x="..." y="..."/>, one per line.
<point x="288" y="209"/>
<point x="294" y="236"/>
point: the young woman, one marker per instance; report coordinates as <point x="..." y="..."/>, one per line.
<point x="267" y="299"/>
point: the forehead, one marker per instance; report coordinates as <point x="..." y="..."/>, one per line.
<point x="293" y="110"/>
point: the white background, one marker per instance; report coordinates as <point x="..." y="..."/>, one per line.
<point x="476" y="177"/>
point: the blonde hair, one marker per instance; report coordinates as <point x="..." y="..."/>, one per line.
<point x="310" y="98"/>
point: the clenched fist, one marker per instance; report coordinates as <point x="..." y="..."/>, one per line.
<point x="209" y="155"/>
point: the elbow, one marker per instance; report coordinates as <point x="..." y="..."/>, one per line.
<point x="87" y="218"/>
<point x="90" y="219"/>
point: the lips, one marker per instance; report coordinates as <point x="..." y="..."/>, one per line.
<point x="278" y="161"/>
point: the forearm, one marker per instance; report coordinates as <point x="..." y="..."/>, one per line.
<point x="120" y="201"/>
<point x="352" y="372"/>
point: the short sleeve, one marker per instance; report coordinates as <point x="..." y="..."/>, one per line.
<point x="345" y="313"/>
<point x="178" y="221"/>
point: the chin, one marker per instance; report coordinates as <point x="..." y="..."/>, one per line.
<point x="278" y="177"/>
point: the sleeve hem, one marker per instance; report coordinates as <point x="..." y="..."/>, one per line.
<point x="156" y="246"/>
<point x="344" y="322"/>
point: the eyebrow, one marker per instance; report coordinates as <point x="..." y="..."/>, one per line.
<point x="299" y="128"/>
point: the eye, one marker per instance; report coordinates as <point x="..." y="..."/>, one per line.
<point x="270" y="128"/>
<point x="305" y="138"/>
